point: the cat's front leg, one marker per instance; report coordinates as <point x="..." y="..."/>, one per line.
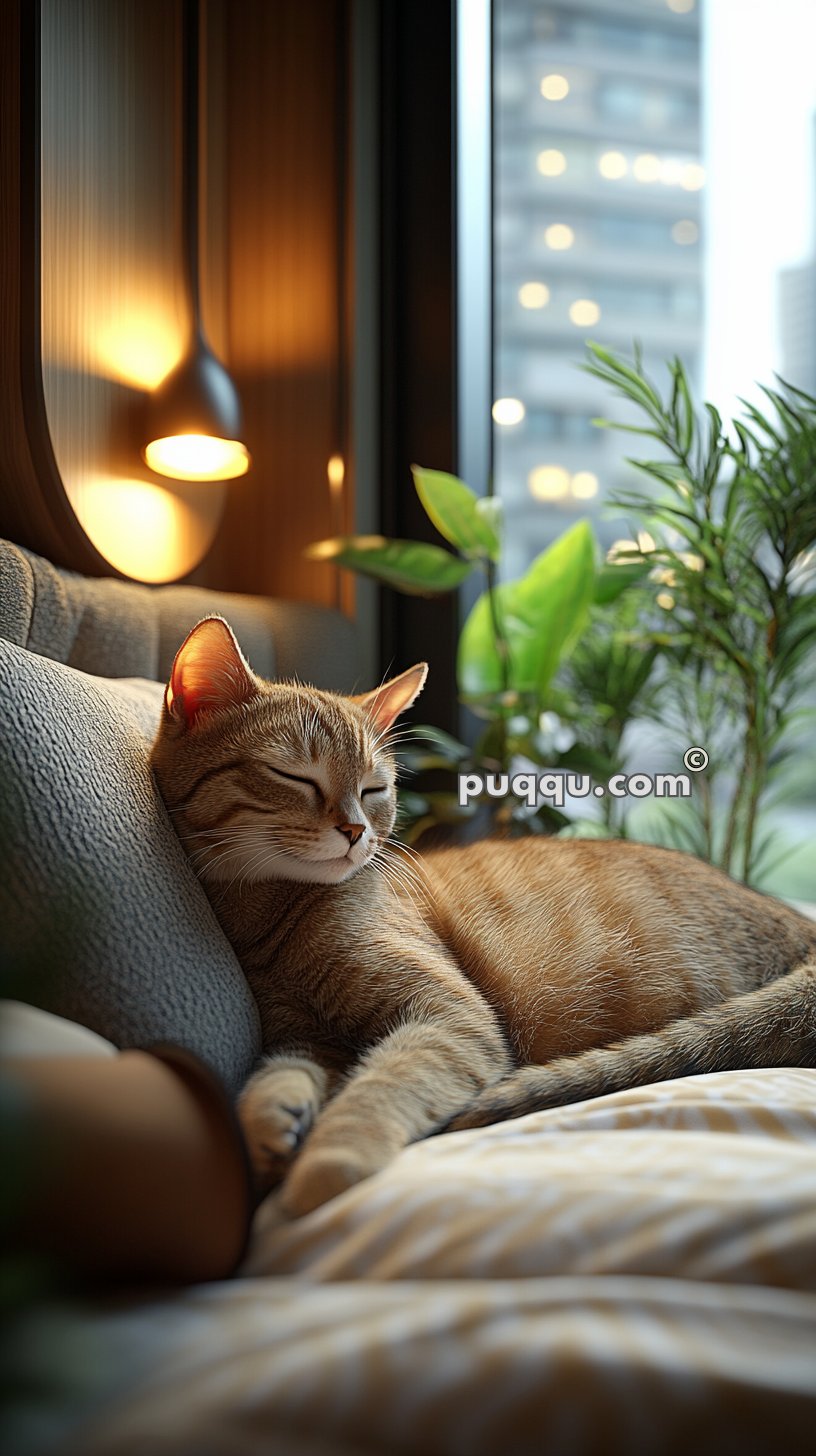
<point x="277" y="1109"/>
<point x="415" y="1077"/>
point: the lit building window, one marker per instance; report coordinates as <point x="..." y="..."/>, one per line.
<point x="584" y="312"/>
<point x="554" y="87"/>
<point x="551" y="163"/>
<point x="549" y="482"/>
<point x="508" y="411"/>
<point x="584" y="485"/>
<point x="671" y="172"/>
<point x="559" y="236"/>
<point x="613" y="165"/>
<point x="685" y="231"/>
<point x="692" y="177"/>
<point x="646" y="167"/>
<point x="534" y="295"/>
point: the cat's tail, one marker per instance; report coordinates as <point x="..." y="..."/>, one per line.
<point x="773" y="1026"/>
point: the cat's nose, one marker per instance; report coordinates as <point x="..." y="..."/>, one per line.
<point x="353" y="832"/>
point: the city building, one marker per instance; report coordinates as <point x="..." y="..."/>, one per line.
<point x="797" y="318"/>
<point x="598" y="235"/>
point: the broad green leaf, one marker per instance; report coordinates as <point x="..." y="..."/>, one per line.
<point x="612" y="580"/>
<point x="411" y="803"/>
<point x="429" y="748"/>
<point x="410" y="566"/>
<point x="453" y="508"/>
<point x="491" y="509"/>
<point x="541" y="615"/>
<point x="446" y="809"/>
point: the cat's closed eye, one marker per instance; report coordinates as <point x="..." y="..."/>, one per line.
<point x="374" y="789"/>
<point x="295" y="778"/>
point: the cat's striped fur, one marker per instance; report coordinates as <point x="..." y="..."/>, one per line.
<point x="395" y="993"/>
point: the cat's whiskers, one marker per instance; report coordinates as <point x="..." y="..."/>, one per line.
<point x="261" y="858"/>
<point x="414" y="860"/>
<point x="227" y="848"/>
<point x="407" y="730"/>
<point x="407" y="889"/>
<point x="221" y="834"/>
<point x="393" y="892"/>
<point x="231" y="842"/>
<point x="406" y="849"/>
<point x="400" y="737"/>
<point x="386" y="735"/>
<point x="383" y="873"/>
<point x="388" y="740"/>
<point x="203" y="833"/>
<point x="400" y="874"/>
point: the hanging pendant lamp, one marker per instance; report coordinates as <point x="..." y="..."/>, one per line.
<point x="194" y="416"/>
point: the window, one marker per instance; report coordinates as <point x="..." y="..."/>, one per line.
<point x="654" y="180"/>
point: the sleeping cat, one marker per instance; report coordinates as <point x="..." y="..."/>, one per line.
<point x="394" y="992"/>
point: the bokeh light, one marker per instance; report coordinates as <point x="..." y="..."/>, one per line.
<point x="554" y="87"/>
<point x="534" y="295"/>
<point x="508" y="411"/>
<point x="559" y="236"/>
<point x="549" y="482"/>
<point x="584" y="312"/>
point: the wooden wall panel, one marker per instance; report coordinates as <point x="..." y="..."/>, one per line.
<point x="277" y="280"/>
<point x="283" y="65"/>
<point x="34" y="509"/>
<point x="112" y="307"/>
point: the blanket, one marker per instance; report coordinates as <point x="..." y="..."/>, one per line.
<point x="635" y="1274"/>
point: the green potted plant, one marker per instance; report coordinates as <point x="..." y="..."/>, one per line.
<point x="705" y="624"/>
<point x="513" y="644"/>
<point x="731" y="542"/>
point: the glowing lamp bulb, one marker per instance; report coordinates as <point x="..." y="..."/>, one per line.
<point x="197" y="457"/>
<point x="336" y="472"/>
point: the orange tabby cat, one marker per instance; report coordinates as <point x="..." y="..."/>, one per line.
<point x="393" y="997"/>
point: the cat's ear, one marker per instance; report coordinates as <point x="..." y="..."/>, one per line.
<point x="209" y="672"/>
<point x="384" y="705"/>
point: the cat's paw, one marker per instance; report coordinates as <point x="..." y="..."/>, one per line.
<point x="323" y="1174"/>
<point x="276" y="1111"/>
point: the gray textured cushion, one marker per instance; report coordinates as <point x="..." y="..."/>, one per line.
<point x="124" y="629"/>
<point x="101" y="917"/>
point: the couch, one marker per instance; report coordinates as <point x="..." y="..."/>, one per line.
<point x="633" y="1274"/>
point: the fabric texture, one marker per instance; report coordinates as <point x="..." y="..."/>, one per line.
<point x="627" y="1276"/>
<point x="123" y="629"/>
<point x="101" y="917"/>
